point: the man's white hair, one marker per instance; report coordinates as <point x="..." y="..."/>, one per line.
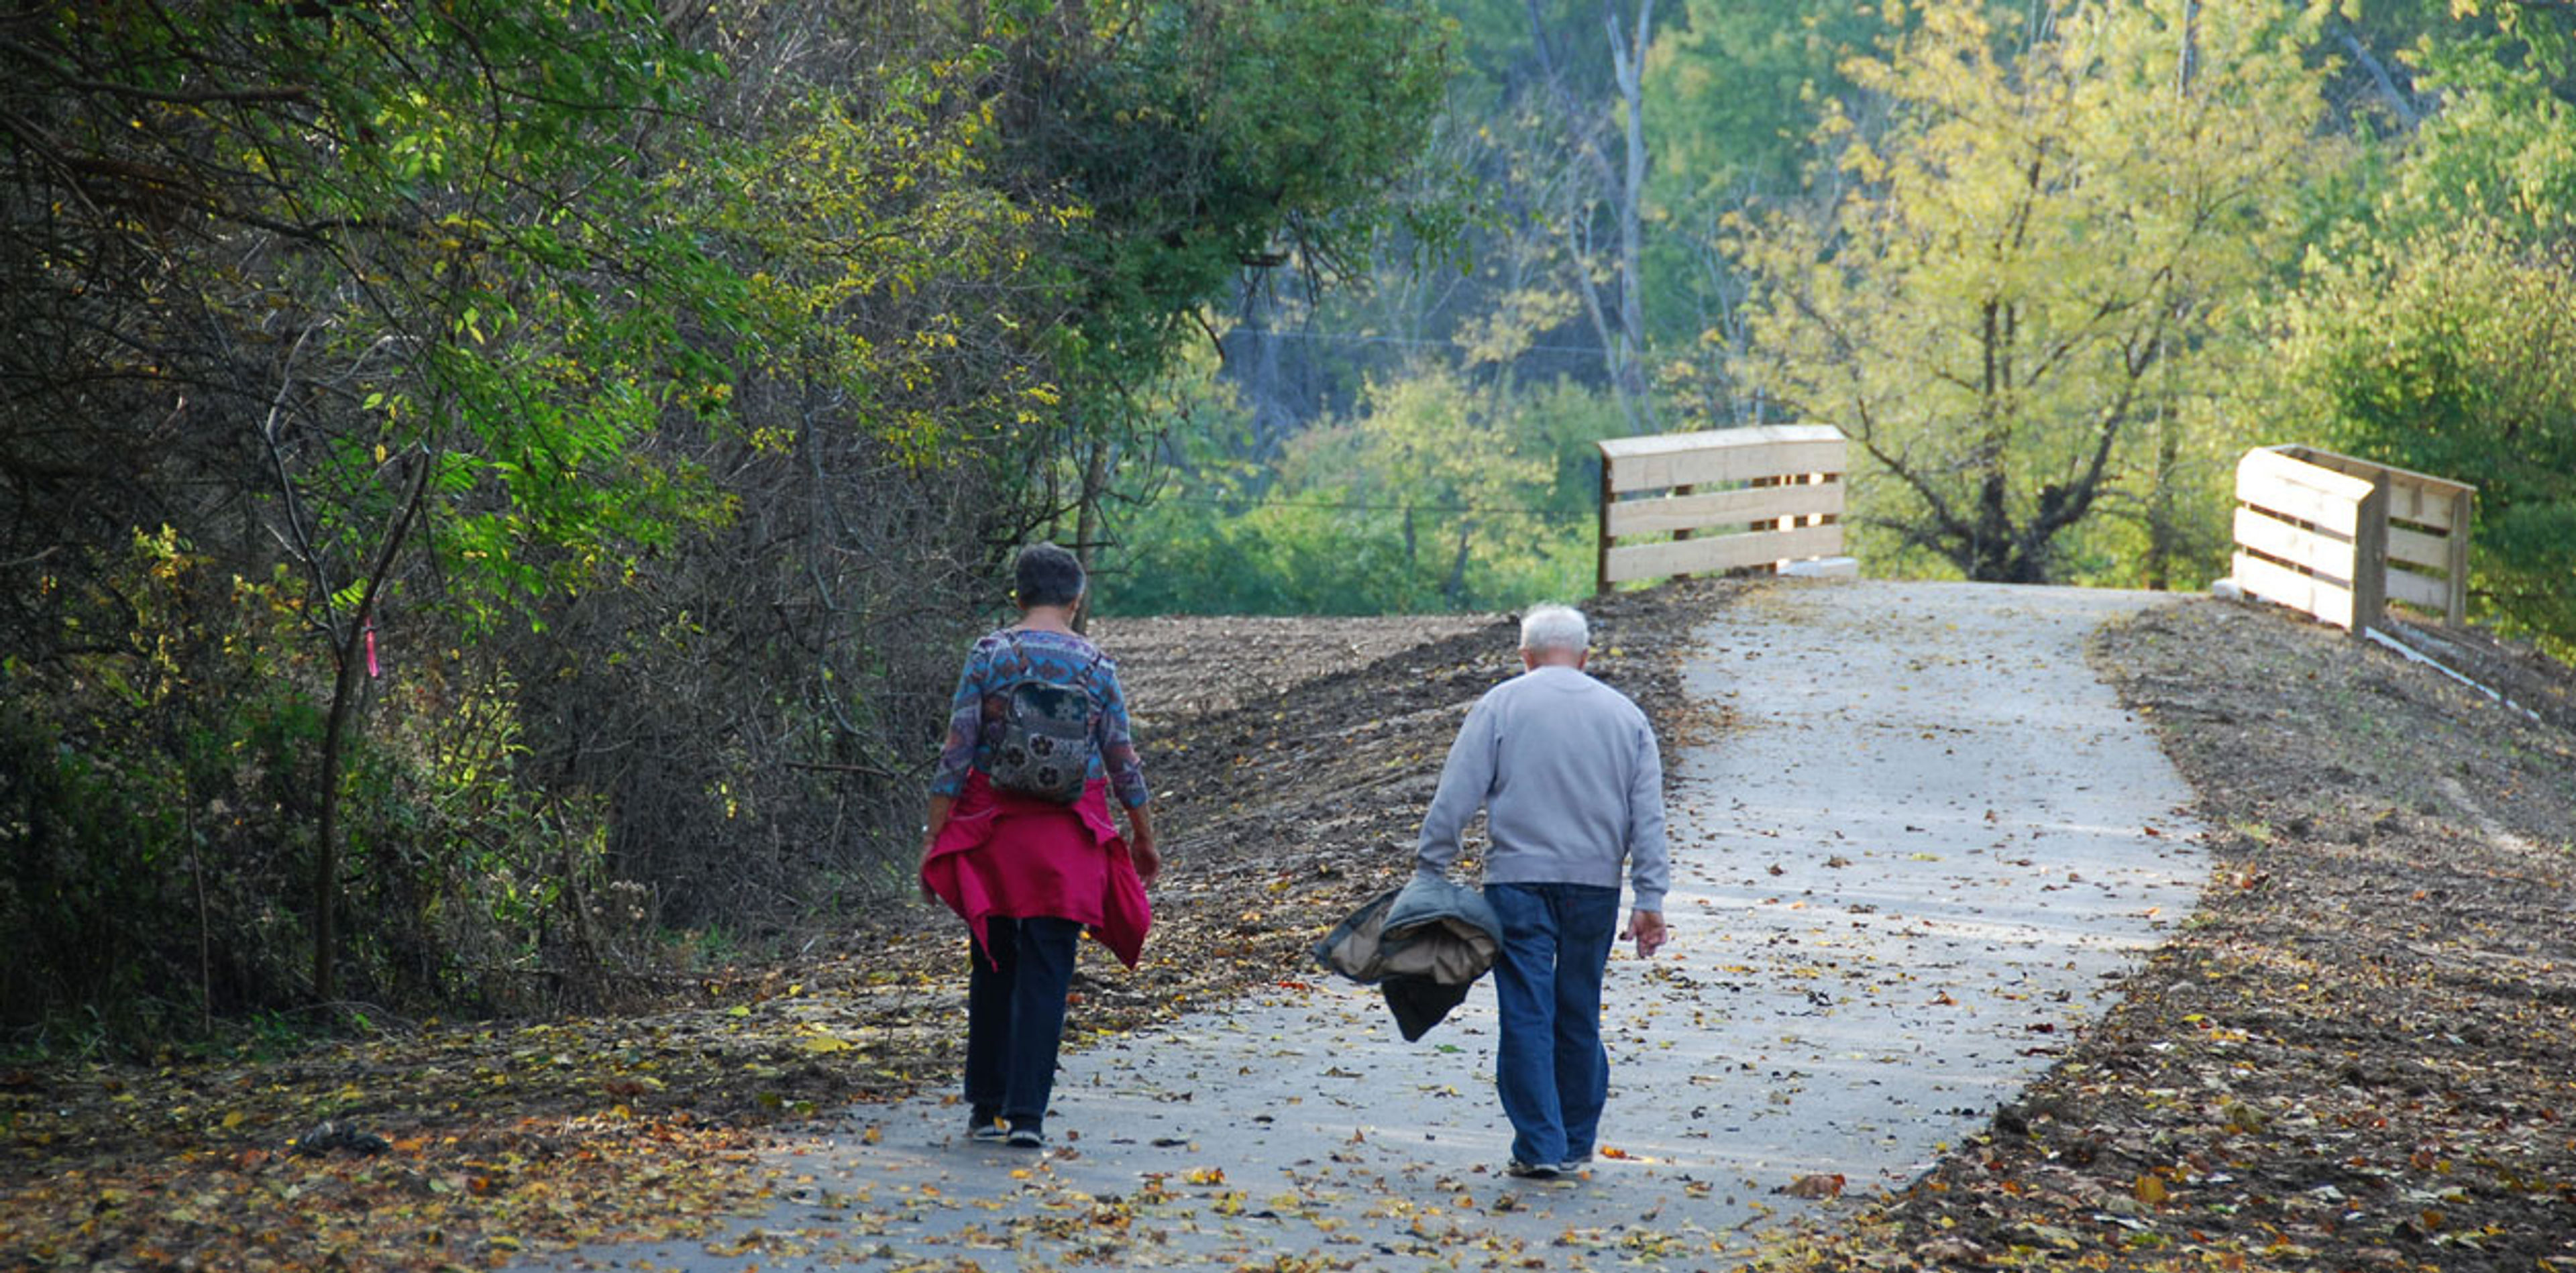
<point x="1555" y="628"/>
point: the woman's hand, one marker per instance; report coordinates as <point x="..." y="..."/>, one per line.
<point x="940" y="808"/>
<point x="1140" y="844"/>
<point x="1148" y="859"/>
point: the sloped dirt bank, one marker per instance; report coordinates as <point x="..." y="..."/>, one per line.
<point x="1301" y="800"/>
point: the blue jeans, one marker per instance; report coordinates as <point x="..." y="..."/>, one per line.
<point x="1553" y="1073"/>
<point x="1015" y="1013"/>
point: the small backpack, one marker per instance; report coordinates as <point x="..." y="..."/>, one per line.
<point x="1045" y="746"/>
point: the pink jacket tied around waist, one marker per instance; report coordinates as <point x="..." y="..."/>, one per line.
<point x="1025" y="857"/>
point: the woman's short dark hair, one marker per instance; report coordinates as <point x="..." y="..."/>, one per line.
<point x="1048" y="576"/>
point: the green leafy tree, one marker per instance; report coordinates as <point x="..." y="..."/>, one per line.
<point x="1738" y="91"/>
<point x="660" y="386"/>
<point x="1442" y="491"/>
<point x="2457" y="356"/>
<point x="2037" y="259"/>
<point x="2440" y="333"/>
<point x="1201" y="139"/>
<point x="413" y="284"/>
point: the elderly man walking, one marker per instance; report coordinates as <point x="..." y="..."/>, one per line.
<point x="1567" y="771"/>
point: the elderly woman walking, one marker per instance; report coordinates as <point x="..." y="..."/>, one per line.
<point x="1019" y="841"/>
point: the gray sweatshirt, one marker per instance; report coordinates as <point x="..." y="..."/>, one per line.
<point x="1571" y="782"/>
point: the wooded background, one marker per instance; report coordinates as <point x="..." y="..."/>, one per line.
<point x="492" y="496"/>
<point x="2053" y="267"/>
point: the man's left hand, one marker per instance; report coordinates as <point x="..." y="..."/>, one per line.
<point x="1647" y="929"/>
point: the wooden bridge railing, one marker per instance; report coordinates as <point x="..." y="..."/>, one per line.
<point x="2339" y="538"/>
<point x="1777" y="489"/>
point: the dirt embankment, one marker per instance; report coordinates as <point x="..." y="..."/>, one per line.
<point x="1291" y="760"/>
<point x="1182" y="670"/>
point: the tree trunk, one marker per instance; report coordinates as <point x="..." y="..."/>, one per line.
<point x="1628" y="61"/>
<point x="2398" y="104"/>
<point x="1086" y="521"/>
<point x="2190" y="67"/>
<point x="1611" y="342"/>
<point x="205" y="944"/>
<point x="344" y="697"/>
<point x="2163" y="535"/>
<point x="1990" y="548"/>
<point x="1455" y="589"/>
<point x="326" y="850"/>
<point x="1623" y="333"/>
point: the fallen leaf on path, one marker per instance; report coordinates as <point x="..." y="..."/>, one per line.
<point x="1817" y="1185"/>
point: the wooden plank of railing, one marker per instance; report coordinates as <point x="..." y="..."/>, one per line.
<point x="1721" y="552"/>
<point x="2370" y="559"/>
<point x="2432" y="510"/>
<point x="2422" y="591"/>
<point x="1709" y="458"/>
<point x="1601" y="536"/>
<point x="2416" y="548"/>
<point x="2322" y="535"/>
<point x="2313" y="551"/>
<point x="1724" y="508"/>
<point x="1781" y="499"/>
<point x="2418" y="499"/>
<point x="1684" y="532"/>
<point x="2372" y="470"/>
<point x="2463" y="516"/>
<point x="2329" y="601"/>
<point x="2294" y="489"/>
<point x="2359" y="523"/>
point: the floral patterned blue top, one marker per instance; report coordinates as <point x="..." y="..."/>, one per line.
<point x="1003" y="657"/>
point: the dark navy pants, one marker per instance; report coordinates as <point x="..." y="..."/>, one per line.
<point x="1015" y="1013"/>
<point x="1553" y="1073"/>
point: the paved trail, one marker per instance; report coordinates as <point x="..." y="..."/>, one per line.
<point x="1900" y="881"/>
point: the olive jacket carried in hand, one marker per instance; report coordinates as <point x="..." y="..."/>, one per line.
<point x="1423" y="944"/>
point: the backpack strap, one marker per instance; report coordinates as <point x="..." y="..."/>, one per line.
<point x="1081" y="679"/>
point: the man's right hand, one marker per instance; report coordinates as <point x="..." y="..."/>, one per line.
<point x="1647" y="929"/>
